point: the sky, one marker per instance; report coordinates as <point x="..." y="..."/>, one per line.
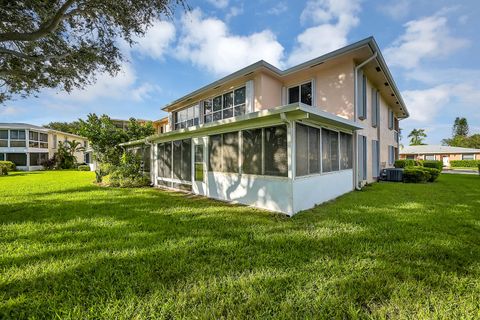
<point x="431" y="47"/>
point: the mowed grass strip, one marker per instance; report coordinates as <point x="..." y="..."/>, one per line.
<point x="70" y="249"/>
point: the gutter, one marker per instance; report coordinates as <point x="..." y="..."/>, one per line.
<point x="355" y="112"/>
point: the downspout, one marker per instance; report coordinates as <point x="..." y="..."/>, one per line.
<point x="355" y="112"/>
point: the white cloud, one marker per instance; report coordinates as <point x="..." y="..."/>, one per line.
<point x="233" y="12"/>
<point x="424" y="105"/>
<point x="332" y="20"/>
<point x="156" y="40"/>
<point x="208" y="43"/>
<point x="278" y="9"/>
<point x="397" y="9"/>
<point x="144" y="91"/>
<point x="428" y="37"/>
<point x="10" y="110"/>
<point x="220" y="4"/>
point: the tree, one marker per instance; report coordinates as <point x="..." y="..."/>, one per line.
<point x="136" y="130"/>
<point x="63" y="43"/>
<point x="69" y="127"/>
<point x="460" y="127"/>
<point x="417" y="136"/>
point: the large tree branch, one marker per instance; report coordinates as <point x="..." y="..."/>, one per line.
<point x="33" y="58"/>
<point x="43" y="30"/>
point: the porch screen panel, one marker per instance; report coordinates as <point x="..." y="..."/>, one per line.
<point x="252" y="151"/>
<point x="161" y="159"/>
<point x="168" y="160"/>
<point x="230" y="152"/>
<point x="146" y="159"/>
<point x="177" y="159"/>
<point x="329" y="150"/>
<point x="186" y="160"/>
<point x="301" y="157"/>
<point x="20" y="159"/>
<point x="215" y="153"/>
<point x="346" y="151"/>
<point x="275" y="146"/>
<point x="313" y="150"/>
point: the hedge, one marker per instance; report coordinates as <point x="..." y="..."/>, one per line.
<point x="433" y="164"/>
<point x="83" y="167"/>
<point x="10" y="165"/>
<point x="403" y="163"/>
<point x="420" y="174"/>
<point x="464" y="163"/>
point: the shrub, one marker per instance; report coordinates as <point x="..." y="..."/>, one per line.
<point x="9" y="165"/>
<point x="479" y="168"/>
<point x="433" y="164"/>
<point x="129" y="173"/>
<point x="464" y="163"/>
<point x="3" y="170"/>
<point x="419" y="174"/>
<point x="83" y="167"/>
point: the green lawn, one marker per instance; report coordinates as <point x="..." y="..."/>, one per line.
<point x="70" y="249"/>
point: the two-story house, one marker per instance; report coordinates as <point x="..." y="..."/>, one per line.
<point x="283" y="140"/>
<point x="28" y="146"/>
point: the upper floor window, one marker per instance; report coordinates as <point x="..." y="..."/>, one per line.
<point x="187" y="117"/>
<point x="37" y="140"/>
<point x="301" y="93"/>
<point x="17" y="138"/>
<point x="3" y="138"/>
<point x="391" y="119"/>
<point x="230" y="104"/>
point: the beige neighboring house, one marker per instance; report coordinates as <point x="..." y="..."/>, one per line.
<point x="161" y="125"/>
<point x="28" y="145"/>
<point x="439" y="153"/>
<point x="283" y="140"/>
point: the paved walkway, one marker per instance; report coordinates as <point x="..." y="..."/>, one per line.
<point x="459" y="171"/>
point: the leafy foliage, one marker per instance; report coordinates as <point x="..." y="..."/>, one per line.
<point x="83" y="167"/>
<point x="64" y="43"/>
<point x="129" y="172"/>
<point x="403" y="163"/>
<point x="460" y="137"/>
<point x="417" y="137"/>
<point x="419" y="174"/>
<point x="464" y="163"/>
<point x="9" y="165"/>
<point x="69" y="127"/>
<point x="433" y="164"/>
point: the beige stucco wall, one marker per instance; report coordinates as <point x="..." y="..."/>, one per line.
<point x="62" y="137"/>
<point x="267" y="92"/>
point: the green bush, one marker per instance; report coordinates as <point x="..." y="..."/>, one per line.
<point x="9" y="165"/>
<point x="479" y="168"/>
<point x="3" y="170"/>
<point x="83" y="167"/>
<point x="433" y="164"/>
<point x="129" y="173"/>
<point x="419" y="174"/>
<point x="464" y="163"/>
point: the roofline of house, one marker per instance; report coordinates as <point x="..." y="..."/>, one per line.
<point x="306" y="112"/>
<point x="370" y="41"/>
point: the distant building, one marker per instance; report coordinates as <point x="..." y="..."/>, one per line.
<point x="440" y="153"/>
<point x="28" y="145"/>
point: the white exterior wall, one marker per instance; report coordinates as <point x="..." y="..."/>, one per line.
<point x="309" y="191"/>
<point x="266" y="192"/>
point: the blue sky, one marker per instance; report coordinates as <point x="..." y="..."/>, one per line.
<point x="432" y="49"/>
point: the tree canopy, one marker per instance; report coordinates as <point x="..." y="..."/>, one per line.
<point x="417" y="137"/>
<point x="63" y="43"/>
<point x="460" y="127"/>
<point x="69" y="127"/>
<point x="460" y="137"/>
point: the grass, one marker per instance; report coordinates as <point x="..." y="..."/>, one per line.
<point x="70" y="249"/>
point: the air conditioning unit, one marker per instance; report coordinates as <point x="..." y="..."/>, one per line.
<point x="392" y="174"/>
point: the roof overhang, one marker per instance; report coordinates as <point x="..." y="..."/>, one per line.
<point x="295" y="111"/>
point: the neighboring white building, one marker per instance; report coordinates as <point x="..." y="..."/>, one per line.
<point x="283" y="140"/>
<point x="28" y="145"/>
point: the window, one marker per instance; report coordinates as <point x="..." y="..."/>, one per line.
<point x="410" y="157"/>
<point x="275" y="151"/>
<point x="187" y="117"/>
<point x="182" y="160"/>
<point x="17" y="138"/>
<point x="164" y="156"/>
<point x="252" y="151"/>
<point x="346" y="151"/>
<point x="87" y="157"/>
<point x="54" y="141"/>
<point x="301" y="93"/>
<point x="224" y="152"/>
<point x="375" y="158"/>
<point x="2" y="156"/>
<point x="37" y="159"/>
<point x="20" y="159"/>
<point x="391" y="155"/>
<point x="362" y="157"/>
<point x="307" y="150"/>
<point x="37" y="140"/>
<point x="230" y="104"/>
<point x="3" y="138"/>
<point x="428" y="157"/>
<point x="375" y="107"/>
<point x="199" y="162"/>
<point x="362" y="98"/>
<point x="468" y="156"/>
<point x="329" y="151"/>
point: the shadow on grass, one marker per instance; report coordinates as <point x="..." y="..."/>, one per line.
<point x="149" y="253"/>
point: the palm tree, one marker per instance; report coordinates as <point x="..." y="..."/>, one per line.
<point x="74" y="146"/>
<point x="417" y="136"/>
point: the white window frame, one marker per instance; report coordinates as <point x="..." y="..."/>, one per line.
<point x="203" y="115"/>
<point x="299" y="85"/>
